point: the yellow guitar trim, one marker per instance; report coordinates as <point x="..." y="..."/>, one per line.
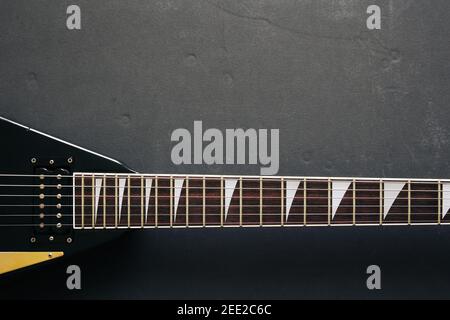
<point x="10" y="261"/>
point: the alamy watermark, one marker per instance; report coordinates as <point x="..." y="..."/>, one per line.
<point x="234" y="146"/>
<point x="74" y="279"/>
<point x="374" y="280"/>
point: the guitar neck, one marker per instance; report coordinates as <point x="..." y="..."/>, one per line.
<point x="110" y="201"/>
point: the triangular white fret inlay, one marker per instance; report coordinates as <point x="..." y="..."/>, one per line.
<point x="98" y="188"/>
<point x="230" y="185"/>
<point x="148" y="189"/>
<point x="391" y="191"/>
<point x="445" y="198"/>
<point x="339" y="189"/>
<point x="122" y="183"/>
<point x="177" y="194"/>
<point x="291" y="190"/>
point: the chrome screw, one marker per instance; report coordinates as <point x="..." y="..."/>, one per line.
<point x="32" y="239"/>
<point x="70" y="160"/>
<point x="69" y="240"/>
<point x="51" y="238"/>
<point x="33" y="160"/>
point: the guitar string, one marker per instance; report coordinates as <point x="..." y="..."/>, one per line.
<point x="199" y="188"/>
<point x="216" y="177"/>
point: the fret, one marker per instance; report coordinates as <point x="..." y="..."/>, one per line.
<point x="187" y="202"/>
<point x="260" y="201"/>
<point x="317" y="197"/>
<point x="368" y="203"/>
<point x="110" y="208"/>
<point x="342" y="202"/>
<point x="88" y="202"/>
<point x="164" y="201"/>
<point x="282" y="201"/>
<point x="156" y="201"/>
<point x="82" y="201"/>
<point x="179" y="201"/>
<point x="116" y="208"/>
<point x="214" y="201"/>
<point x="122" y="202"/>
<point x="171" y="201"/>
<point x="381" y="201"/>
<point x="150" y="207"/>
<point x="142" y="201"/>
<point x="104" y="201"/>
<point x="240" y="201"/>
<point x="135" y="198"/>
<point x="329" y="201"/>
<point x="445" y="217"/>
<point x="354" y="201"/>
<point x="271" y="202"/>
<point x="439" y="202"/>
<point x="424" y="203"/>
<point x="195" y="198"/>
<point x="395" y="202"/>
<point x="93" y="209"/>
<point x="98" y="209"/>
<point x="305" y="201"/>
<point x="221" y="201"/>
<point x="204" y="201"/>
<point x="129" y="202"/>
<point x="251" y="202"/>
<point x="294" y="208"/>
<point x="232" y="200"/>
<point x="409" y="202"/>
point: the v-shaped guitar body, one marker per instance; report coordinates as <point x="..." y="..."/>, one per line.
<point x="10" y="261"/>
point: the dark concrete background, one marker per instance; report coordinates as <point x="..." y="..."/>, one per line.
<point x="347" y="101"/>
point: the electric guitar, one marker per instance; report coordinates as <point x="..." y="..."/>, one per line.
<point x="57" y="198"/>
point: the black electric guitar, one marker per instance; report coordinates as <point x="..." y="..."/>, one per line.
<point x="57" y="198"/>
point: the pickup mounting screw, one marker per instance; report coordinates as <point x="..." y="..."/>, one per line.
<point x="32" y="239"/>
<point x="33" y="160"/>
<point x="69" y="240"/>
<point x="70" y="160"/>
<point x="52" y="162"/>
<point x="51" y="238"/>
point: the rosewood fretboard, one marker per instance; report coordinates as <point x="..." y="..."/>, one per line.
<point x="145" y="201"/>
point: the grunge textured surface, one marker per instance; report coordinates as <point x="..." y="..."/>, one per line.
<point x="348" y="102"/>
